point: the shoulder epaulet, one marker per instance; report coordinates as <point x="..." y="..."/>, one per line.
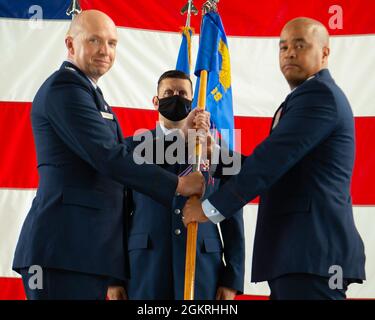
<point x="70" y="68"/>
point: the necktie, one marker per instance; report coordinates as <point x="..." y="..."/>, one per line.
<point x="99" y="90"/>
<point x="277" y="116"/>
<point x="101" y="94"/>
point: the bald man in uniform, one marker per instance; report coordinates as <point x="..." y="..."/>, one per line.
<point x="306" y="244"/>
<point x="74" y="237"/>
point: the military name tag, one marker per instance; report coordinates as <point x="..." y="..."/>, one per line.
<point x="107" y="115"/>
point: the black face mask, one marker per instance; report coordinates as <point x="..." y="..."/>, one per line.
<point x="174" y="108"/>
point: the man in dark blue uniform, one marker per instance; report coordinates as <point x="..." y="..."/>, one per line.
<point x="157" y="237"/>
<point x="75" y="228"/>
<point x="306" y="243"/>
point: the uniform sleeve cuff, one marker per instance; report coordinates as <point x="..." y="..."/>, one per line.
<point x="211" y="212"/>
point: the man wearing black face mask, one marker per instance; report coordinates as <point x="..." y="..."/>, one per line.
<point x="157" y="237"/>
<point x="174" y="108"/>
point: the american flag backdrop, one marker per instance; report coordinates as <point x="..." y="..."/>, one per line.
<point x="32" y="47"/>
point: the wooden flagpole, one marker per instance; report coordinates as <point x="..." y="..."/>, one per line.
<point x="192" y="228"/>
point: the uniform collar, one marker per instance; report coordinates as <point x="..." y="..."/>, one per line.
<point x="309" y="78"/>
<point x="165" y="130"/>
<point x="91" y="81"/>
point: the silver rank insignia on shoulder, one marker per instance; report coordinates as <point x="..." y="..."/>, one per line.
<point x="106" y="107"/>
<point x="70" y="68"/>
<point x="107" y="115"/>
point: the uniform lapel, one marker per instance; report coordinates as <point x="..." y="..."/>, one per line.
<point x="107" y="108"/>
<point x="102" y="105"/>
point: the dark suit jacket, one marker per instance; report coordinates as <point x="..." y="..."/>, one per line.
<point x="76" y="219"/>
<point x="302" y="172"/>
<point x="157" y="246"/>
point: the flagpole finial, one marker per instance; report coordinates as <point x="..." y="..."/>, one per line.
<point x="210" y="6"/>
<point x="74" y="8"/>
<point x="189" y="8"/>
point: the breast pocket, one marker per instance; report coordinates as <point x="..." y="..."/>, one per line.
<point x="138" y="241"/>
<point x="212" y="245"/>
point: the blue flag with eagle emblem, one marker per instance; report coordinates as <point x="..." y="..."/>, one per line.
<point x="213" y="56"/>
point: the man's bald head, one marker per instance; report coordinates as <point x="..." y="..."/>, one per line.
<point x="318" y="30"/>
<point x="86" y="18"/>
<point x="91" y="41"/>
<point x="304" y="49"/>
